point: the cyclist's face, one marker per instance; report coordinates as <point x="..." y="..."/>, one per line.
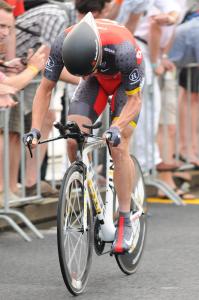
<point x="6" y="23"/>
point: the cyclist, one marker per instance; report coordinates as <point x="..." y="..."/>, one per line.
<point x="110" y="63"/>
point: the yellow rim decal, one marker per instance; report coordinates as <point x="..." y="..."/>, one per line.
<point x="133" y="92"/>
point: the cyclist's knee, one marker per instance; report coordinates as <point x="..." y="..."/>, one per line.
<point x="119" y="152"/>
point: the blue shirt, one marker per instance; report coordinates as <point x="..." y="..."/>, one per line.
<point x="185" y="48"/>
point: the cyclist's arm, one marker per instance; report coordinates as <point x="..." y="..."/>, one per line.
<point x="129" y="112"/>
<point x="53" y="69"/>
<point x="132" y="72"/>
<point x="41" y="102"/>
<point x="68" y="78"/>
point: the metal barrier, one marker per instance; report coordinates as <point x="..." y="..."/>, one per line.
<point x="8" y="211"/>
<point x="148" y="128"/>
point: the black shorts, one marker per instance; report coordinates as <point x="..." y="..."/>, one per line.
<point x="194" y="79"/>
<point x="91" y="97"/>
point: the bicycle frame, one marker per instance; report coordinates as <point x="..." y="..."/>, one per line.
<point x="104" y="212"/>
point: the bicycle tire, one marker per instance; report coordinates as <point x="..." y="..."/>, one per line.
<point x="75" y="243"/>
<point x="128" y="262"/>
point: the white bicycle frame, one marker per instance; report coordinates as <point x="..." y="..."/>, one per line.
<point x="104" y="211"/>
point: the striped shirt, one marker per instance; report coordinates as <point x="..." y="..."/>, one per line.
<point x="40" y="25"/>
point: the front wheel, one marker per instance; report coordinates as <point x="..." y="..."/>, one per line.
<point x="128" y="262"/>
<point x="74" y="238"/>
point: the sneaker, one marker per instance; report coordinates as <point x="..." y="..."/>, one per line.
<point x="12" y="197"/>
<point x="123" y="237"/>
<point x="46" y="190"/>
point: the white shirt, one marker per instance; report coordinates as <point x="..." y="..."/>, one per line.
<point x="156" y="7"/>
<point x="131" y="6"/>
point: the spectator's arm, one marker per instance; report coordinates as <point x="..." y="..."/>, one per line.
<point x="154" y="38"/>
<point x="166" y="19"/>
<point x="35" y="64"/>
<point x="113" y="10"/>
<point x="6" y="101"/>
<point x="155" y="32"/>
<point x="21" y="80"/>
<point x="168" y="65"/>
<point x="6" y="89"/>
<point x="132" y="21"/>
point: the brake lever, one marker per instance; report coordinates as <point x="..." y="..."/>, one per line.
<point x="108" y="137"/>
<point x="28" y="143"/>
<point x="30" y="150"/>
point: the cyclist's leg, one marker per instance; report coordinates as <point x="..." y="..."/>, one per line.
<point x="123" y="170"/>
<point x="123" y="180"/>
<point x="71" y="143"/>
<point x="88" y="102"/>
<point x="123" y="164"/>
<point x="123" y="177"/>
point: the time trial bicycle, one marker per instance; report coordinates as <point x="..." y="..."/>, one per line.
<point x="86" y="220"/>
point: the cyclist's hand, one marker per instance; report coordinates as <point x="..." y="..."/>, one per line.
<point x="113" y="135"/>
<point x="31" y="138"/>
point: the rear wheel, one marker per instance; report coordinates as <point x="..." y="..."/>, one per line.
<point x="75" y="242"/>
<point x="128" y="262"/>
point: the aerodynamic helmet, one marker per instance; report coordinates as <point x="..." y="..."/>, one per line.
<point x="82" y="50"/>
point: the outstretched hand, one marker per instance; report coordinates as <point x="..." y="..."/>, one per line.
<point x="7" y="101"/>
<point x="38" y="59"/>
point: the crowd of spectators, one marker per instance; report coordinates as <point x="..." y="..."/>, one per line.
<point x="166" y="32"/>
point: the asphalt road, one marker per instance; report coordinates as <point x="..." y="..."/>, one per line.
<point x="169" y="268"/>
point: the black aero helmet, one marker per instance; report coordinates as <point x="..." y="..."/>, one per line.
<point x="82" y="51"/>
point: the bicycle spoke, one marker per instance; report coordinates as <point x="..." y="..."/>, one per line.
<point x="77" y="195"/>
<point x="77" y="219"/>
<point x="73" y="204"/>
<point x="74" y="251"/>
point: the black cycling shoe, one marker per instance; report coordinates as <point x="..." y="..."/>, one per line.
<point x="123" y="237"/>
